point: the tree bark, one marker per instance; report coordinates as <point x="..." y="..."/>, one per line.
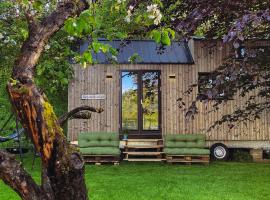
<point x="62" y="164"/>
<point x="13" y="174"/>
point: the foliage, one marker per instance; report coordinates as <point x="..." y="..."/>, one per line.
<point x="53" y="65"/>
<point x="240" y="24"/>
<point x="136" y="22"/>
<point x="241" y="155"/>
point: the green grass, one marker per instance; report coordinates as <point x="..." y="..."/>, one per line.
<point x="154" y="181"/>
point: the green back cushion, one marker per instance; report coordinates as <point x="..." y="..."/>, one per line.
<point x="185" y="141"/>
<point x="98" y="139"/>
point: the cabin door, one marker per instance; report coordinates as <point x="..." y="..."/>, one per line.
<point x="140" y="103"/>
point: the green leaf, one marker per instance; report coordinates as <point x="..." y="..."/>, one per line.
<point x="113" y="51"/>
<point x="24" y="33"/>
<point x="69" y="26"/>
<point x="104" y="47"/>
<point x="88" y="57"/>
<point x="121" y="35"/>
<point x="165" y="39"/>
<point x="96" y="46"/>
<point x="80" y="25"/>
<point x="172" y="32"/>
<point x="37" y="5"/>
<point x="64" y="81"/>
<point x="156" y="35"/>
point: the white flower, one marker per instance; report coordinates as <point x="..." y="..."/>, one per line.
<point x="151" y="17"/>
<point x="152" y="8"/>
<point x="47" y="47"/>
<point x="70" y="38"/>
<point x="13" y="42"/>
<point x="131" y="7"/>
<point x="1" y="36"/>
<point x="154" y="13"/>
<point x="6" y="40"/>
<point x="127" y="18"/>
<point x="120" y="1"/>
<point x="158" y="19"/>
<point x="114" y="58"/>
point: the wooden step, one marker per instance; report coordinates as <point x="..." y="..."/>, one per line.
<point x="144" y="159"/>
<point x="143" y="153"/>
<point x="144" y="140"/>
<point x="144" y="147"/>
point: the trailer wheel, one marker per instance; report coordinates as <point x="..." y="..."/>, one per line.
<point x="219" y="151"/>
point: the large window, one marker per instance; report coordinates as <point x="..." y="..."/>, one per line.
<point x="140" y="112"/>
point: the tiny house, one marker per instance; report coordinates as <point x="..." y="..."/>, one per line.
<point x="141" y="97"/>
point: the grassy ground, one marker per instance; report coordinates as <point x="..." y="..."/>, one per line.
<point x="157" y="181"/>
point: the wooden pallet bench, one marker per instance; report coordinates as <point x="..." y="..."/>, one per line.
<point x="188" y="159"/>
<point x="101" y="159"/>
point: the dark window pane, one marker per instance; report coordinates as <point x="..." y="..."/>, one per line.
<point x="150" y="101"/>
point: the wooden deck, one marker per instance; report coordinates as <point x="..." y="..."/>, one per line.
<point x="144" y="150"/>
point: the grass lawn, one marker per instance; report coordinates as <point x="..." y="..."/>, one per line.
<point x="154" y="181"/>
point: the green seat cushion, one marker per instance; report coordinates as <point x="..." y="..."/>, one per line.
<point x="186" y="151"/>
<point x="100" y="151"/>
<point x="98" y="139"/>
<point x="185" y="141"/>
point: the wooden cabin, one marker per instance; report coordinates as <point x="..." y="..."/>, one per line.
<point x="141" y="98"/>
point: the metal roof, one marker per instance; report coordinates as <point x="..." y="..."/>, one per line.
<point x="148" y="51"/>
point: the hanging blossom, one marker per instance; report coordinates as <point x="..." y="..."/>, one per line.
<point x="154" y="13"/>
<point x="129" y="14"/>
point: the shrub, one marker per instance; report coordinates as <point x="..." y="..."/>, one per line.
<point x="242" y="155"/>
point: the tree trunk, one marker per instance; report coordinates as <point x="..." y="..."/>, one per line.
<point x="62" y="164"/>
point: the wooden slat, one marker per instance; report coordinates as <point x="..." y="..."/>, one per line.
<point x="144" y="160"/>
<point x="143" y="153"/>
<point x="144" y="147"/>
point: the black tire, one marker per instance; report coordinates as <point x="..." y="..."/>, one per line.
<point x="219" y="151"/>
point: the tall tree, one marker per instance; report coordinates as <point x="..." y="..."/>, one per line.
<point x="62" y="164"/>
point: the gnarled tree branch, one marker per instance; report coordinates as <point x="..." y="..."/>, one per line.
<point x="82" y="112"/>
<point x="14" y="175"/>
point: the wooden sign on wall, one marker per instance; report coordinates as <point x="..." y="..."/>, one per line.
<point x="93" y="96"/>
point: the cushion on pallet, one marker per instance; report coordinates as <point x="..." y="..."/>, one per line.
<point x="100" y="151"/>
<point x="186" y="151"/>
<point x="99" y="143"/>
<point x="185" y="144"/>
